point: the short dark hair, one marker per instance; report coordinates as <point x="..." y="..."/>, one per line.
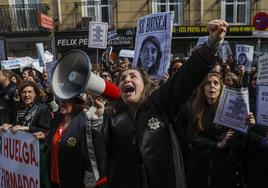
<point x="6" y="73"/>
<point x="26" y="83"/>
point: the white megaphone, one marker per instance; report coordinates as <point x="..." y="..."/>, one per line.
<point x="72" y="75"/>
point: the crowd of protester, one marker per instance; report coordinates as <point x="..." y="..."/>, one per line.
<point x="91" y="135"/>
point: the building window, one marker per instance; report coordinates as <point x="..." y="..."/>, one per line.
<point x="98" y="10"/>
<point x="236" y="12"/>
<point x="170" y="5"/>
<point x="24" y="2"/>
<point x="24" y="14"/>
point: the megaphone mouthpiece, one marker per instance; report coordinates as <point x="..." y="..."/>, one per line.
<point x="76" y="78"/>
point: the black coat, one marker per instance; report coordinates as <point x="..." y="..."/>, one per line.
<point x="209" y="166"/>
<point x="141" y="151"/>
<point x="40" y="121"/>
<point x="257" y="170"/>
<point x="74" y="159"/>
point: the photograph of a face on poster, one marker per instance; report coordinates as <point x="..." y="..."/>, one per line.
<point x="153" y="41"/>
<point x="244" y="56"/>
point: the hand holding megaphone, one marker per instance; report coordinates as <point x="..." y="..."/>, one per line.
<point x="72" y="75"/>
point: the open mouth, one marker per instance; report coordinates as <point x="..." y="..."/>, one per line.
<point x="128" y="89"/>
<point x="212" y="92"/>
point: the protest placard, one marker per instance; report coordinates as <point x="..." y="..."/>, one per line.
<point x="41" y="54"/>
<point x="19" y="62"/>
<point x="19" y="160"/>
<point x="97" y="35"/>
<point x="244" y="55"/>
<point x="225" y="51"/>
<point x="233" y="109"/>
<point x="3" y="52"/>
<point x="262" y="105"/>
<point x="153" y="43"/>
<point x="262" y="74"/>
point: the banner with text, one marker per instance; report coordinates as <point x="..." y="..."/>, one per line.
<point x="153" y="43"/>
<point x="233" y="109"/>
<point x="19" y="160"/>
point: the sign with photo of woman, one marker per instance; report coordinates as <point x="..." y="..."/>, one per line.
<point x="244" y="55"/>
<point x="153" y="43"/>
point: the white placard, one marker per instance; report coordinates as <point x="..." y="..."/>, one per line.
<point x="97" y="36"/>
<point x="225" y="51"/>
<point x="233" y="109"/>
<point x="262" y="105"/>
<point x="153" y="43"/>
<point x="19" y="62"/>
<point x="3" y="53"/>
<point x="244" y="55"/>
<point x="41" y="54"/>
<point x="262" y="75"/>
<point x="19" y="160"/>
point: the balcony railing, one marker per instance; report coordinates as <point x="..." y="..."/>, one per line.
<point x="21" y="18"/>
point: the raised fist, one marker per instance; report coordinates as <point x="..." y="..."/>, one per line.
<point x="217" y="30"/>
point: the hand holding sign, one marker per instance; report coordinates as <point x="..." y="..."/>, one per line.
<point x="217" y="31"/>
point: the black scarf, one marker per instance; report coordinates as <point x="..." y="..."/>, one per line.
<point x="25" y="116"/>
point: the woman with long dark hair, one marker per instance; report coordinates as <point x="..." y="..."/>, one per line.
<point x="142" y="148"/>
<point x="214" y="155"/>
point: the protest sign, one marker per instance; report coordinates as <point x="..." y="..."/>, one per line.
<point x="97" y="36"/>
<point x="262" y="103"/>
<point x="153" y="43"/>
<point x="3" y="53"/>
<point x="50" y="69"/>
<point x="233" y="109"/>
<point x="244" y="55"/>
<point x="19" y="160"/>
<point x="41" y="54"/>
<point x="18" y="63"/>
<point x="225" y="51"/>
<point x="262" y="74"/>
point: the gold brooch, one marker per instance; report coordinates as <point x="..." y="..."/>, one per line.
<point x="71" y="142"/>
